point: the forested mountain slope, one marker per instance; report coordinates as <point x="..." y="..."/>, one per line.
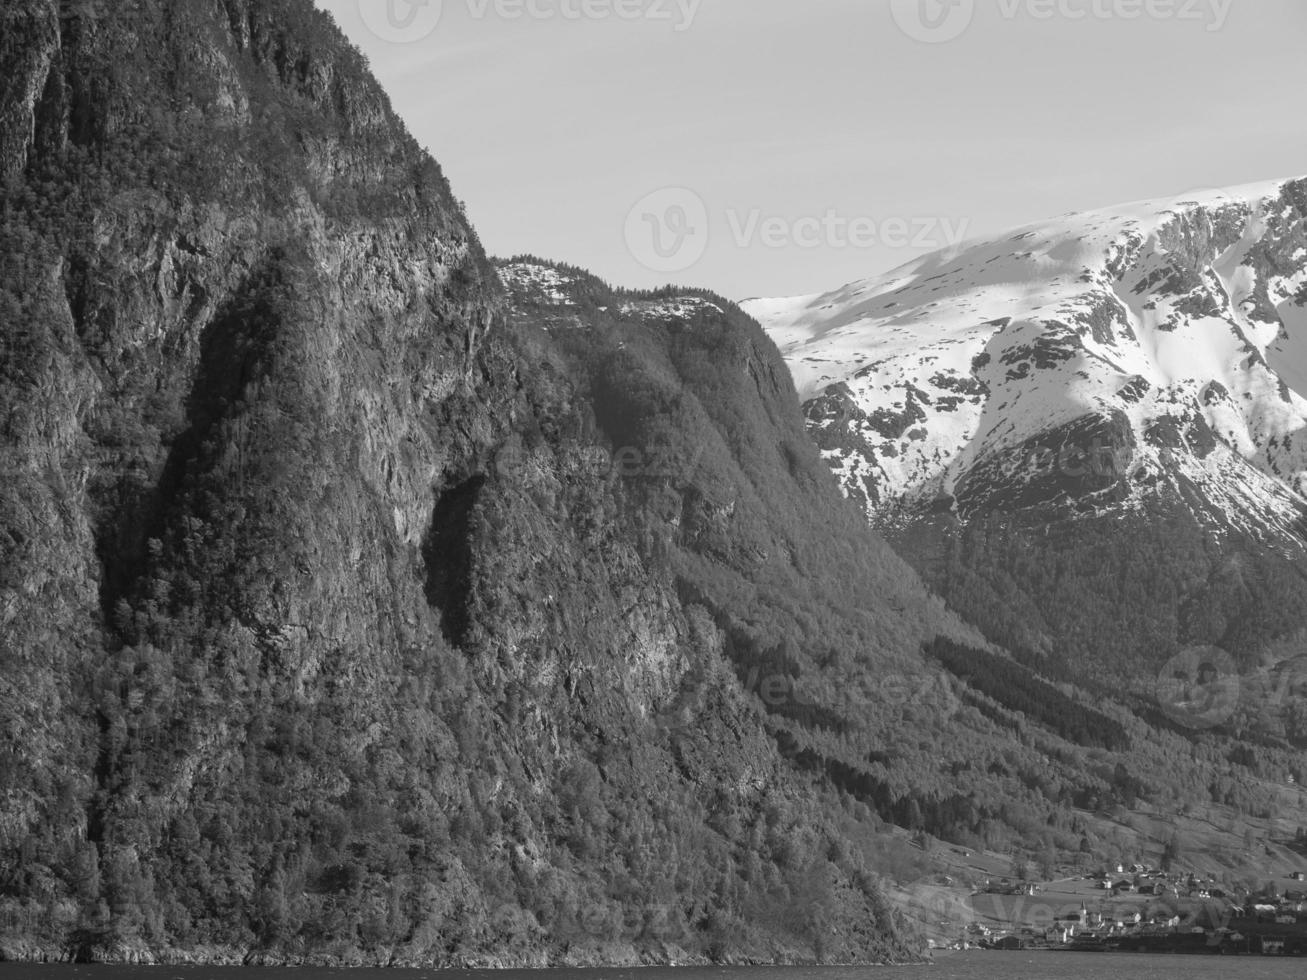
<point x="334" y="626"/>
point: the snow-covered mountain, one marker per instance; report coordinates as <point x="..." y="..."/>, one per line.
<point x="1091" y="363"/>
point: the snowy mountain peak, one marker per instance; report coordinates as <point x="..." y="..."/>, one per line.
<point x="1087" y="361"/>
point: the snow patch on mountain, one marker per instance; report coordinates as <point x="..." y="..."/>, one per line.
<point x="1171" y="336"/>
<point x="544" y="283"/>
<point x="681" y="308"/>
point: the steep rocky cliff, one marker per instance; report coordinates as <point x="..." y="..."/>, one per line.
<point x="355" y="608"/>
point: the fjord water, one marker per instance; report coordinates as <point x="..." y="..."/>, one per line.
<point x="960" y="966"/>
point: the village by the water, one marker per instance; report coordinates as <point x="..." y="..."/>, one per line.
<point x="1134" y="909"/>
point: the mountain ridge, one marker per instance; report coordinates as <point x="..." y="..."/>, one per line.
<point x="1053" y="297"/>
<point x="1132" y="362"/>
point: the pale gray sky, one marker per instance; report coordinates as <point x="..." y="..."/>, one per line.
<point x="814" y="142"/>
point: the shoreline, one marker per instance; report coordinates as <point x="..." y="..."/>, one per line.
<point x="32" y="953"/>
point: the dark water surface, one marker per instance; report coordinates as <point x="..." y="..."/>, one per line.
<point x="958" y="966"/>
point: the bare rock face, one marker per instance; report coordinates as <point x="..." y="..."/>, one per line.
<point x="351" y="610"/>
